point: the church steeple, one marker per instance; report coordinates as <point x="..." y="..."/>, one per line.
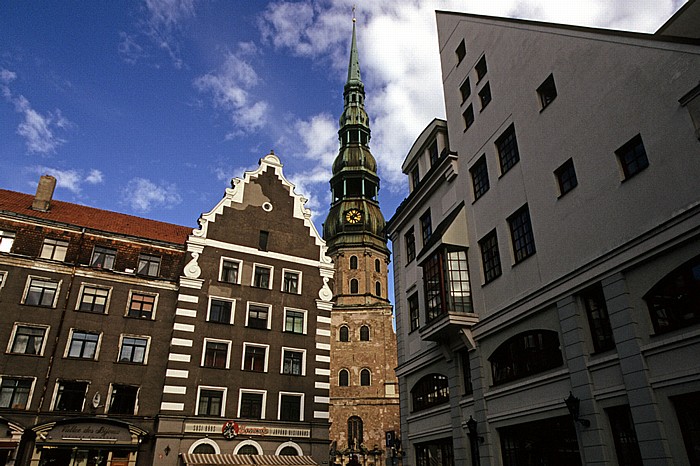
<point x="354" y="218"/>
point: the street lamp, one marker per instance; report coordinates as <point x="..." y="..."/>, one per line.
<point x="573" y="404"/>
<point x="474" y="440"/>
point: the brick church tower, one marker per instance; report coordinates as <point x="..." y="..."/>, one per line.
<point x="364" y="388"/>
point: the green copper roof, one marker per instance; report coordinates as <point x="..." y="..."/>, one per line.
<point x="354" y="76"/>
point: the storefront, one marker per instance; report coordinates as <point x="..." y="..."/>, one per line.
<point x="86" y="442"/>
<point x="549" y="442"/>
<point x="11" y="434"/>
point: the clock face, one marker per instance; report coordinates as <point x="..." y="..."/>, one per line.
<point x="353" y="216"/>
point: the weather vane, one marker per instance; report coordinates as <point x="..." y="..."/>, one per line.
<point x="353" y="13"/>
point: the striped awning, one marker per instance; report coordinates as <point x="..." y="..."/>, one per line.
<point x="246" y="460"/>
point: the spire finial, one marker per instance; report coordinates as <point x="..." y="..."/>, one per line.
<point x="353" y="13"/>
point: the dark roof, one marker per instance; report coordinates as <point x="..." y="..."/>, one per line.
<point x="94" y="219"/>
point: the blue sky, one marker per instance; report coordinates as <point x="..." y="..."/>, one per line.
<point x="150" y="107"/>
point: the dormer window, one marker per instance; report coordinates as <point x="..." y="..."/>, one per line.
<point x="149" y="265"/>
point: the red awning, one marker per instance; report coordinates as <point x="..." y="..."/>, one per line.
<point x="246" y="460"/>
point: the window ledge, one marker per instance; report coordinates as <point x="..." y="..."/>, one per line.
<point x="448" y="326"/>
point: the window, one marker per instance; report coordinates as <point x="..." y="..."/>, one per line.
<point x="262" y="240"/>
<point x="468" y="116"/>
<point x="480" y="177"/>
<point x="293" y="361"/>
<point x="461" y="52"/>
<point x="598" y="320"/>
<point x="521" y="234"/>
<point x="54" y="249"/>
<point x="674" y="302"/>
<point x="413" y="311"/>
<point x="365" y="377"/>
<point x="624" y="436"/>
<point x="247" y="449"/>
<point x="377" y="266"/>
<point x="410" y="239"/>
<point x="353" y="262"/>
<point x="3" y="279"/>
<point x="686" y="407"/>
<point x="14" y="392"/>
<point x="133" y="349"/>
<point x="70" y="396"/>
<point x="41" y="292"/>
<point x="28" y="340"/>
<point x="141" y="305"/>
<point x="364" y="333"/>
<point x="230" y="271"/>
<point x="465" y="89"/>
<point x="490" y="260"/>
<point x="525" y="354"/>
<point x="378" y="289"/>
<point x="93" y="299"/>
<point x="426" y="227"/>
<point x="433" y="152"/>
<point x="485" y="95"/>
<point x="343" y="378"/>
<point x="507" y="147"/>
<point x="83" y="345"/>
<point x="122" y="400"/>
<point x="355" y="432"/>
<point x="211" y="401"/>
<point x="551" y="441"/>
<point x="415" y="177"/>
<point x="446" y="283"/>
<point x="431" y="390"/>
<point x="566" y="177"/>
<point x="149" y="265"/>
<point x="294" y="321"/>
<point x="290" y="406"/>
<point x="254" y="357"/>
<point x="354" y="286"/>
<point x="481" y="68"/>
<point x="436" y="453"/>
<point x="216" y="353"/>
<point x="344" y="333"/>
<point x="262" y="276"/>
<point x="6" y="240"/>
<point x="103" y="258"/>
<point x="632" y="157"/>
<point x="220" y="310"/>
<point x="251" y="405"/>
<point x="204" y="448"/>
<point x="466" y="372"/>
<point x="291" y="281"/>
<point x="547" y="91"/>
<point x="258" y="316"/>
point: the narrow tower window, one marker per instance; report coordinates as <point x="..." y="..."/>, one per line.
<point x="354" y="285"/>
<point x="353" y="262"/>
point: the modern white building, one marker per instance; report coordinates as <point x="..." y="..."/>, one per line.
<point x="549" y="249"/>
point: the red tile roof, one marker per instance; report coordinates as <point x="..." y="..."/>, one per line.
<point x="97" y="219"/>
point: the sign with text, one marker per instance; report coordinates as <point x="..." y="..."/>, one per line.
<point x="243" y="429"/>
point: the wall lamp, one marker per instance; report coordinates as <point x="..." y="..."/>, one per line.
<point x="573" y="404"/>
<point x="472" y="432"/>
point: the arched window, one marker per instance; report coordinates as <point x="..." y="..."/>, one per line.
<point x="353" y="262"/>
<point x="248" y="447"/>
<point x="354" y="285"/>
<point x="344" y="333"/>
<point x="204" y="448"/>
<point x="364" y="333"/>
<point x="355" y="434"/>
<point x="431" y="390"/>
<point x="365" y="378"/>
<point x="525" y="354"/>
<point x="378" y="289"/>
<point x="288" y="451"/>
<point x="377" y="265"/>
<point x="674" y="302"/>
<point x="343" y="378"/>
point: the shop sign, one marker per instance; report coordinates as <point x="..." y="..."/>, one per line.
<point x="88" y="432"/>
<point x="230" y="429"/>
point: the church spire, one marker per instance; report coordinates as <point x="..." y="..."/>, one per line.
<point x="354" y="76"/>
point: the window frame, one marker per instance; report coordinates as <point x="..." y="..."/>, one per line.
<point x="479" y="173"/>
<point x="298" y="273"/>
<point x="3" y="279"/>
<point x="365" y="372"/>
<point x="110" y="399"/>
<point x="565" y="175"/>
<point x="13" y="336"/>
<point x="303" y="360"/>
<point x="508" y="152"/>
<point x="239" y="270"/>
<point x="461" y="51"/>
<point x="248" y="344"/>
<point x="465" y="89"/>
<point x="368" y="331"/>
<point x="301" y="396"/>
<point x="149" y="260"/>
<point x="354" y="286"/>
<point x="599" y="325"/>
<point x="7" y="240"/>
<point x="232" y="311"/>
<point x="54" y="249"/>
<point x="522" y="234"/>
<point x="446" y="283"/>
<point x="134" y="337"/>
<point x="682" y="312"/>
<point x="485" y="96"/>
<point x="304" y="317"/>
<point x="55" y="400"/>
<point x="133" y="292"/>
<point x="426" y="226"/>
<point x="481" y="68"/>
<point x="69" y="345"/>
<point x="353" y="262"/>
<point x="519" y="361"/>
<point x="28" y="286"/>
<point x="30" y="392"/>
<point x="430" y="390"/>
<point x="491" y="266"/>
<point x="81" y="294"/>
<point x="468" y="116"/>
<point x="410" y="245"/>
<point x="346" y="374"/>
<point x="270" y="268"/>
<point x="269" y="315"/>
<point x="413" y="312"/>
<point x="640" y="162"/>
<point x="211" y="388"/>
<point x="544" y="92"/>
<point x="347" y="333"/>
<point x="106" y="253"/>
<point x="205" y="343"/>
<point x="263" y="402"/>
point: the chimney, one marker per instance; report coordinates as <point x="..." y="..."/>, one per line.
<point x="44" y="193"/>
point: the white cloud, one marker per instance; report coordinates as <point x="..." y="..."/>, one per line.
<point x="230" y="88"/>
<point x="37" y="130"/>
<point x="143" y="195"/>
<point x="70" y="179"/>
